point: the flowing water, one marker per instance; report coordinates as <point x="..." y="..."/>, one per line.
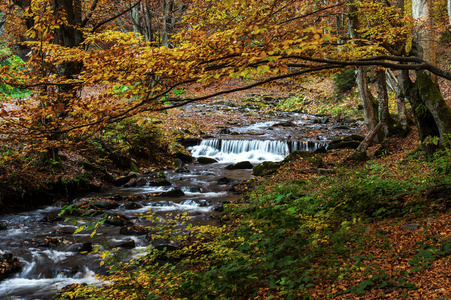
<point x="50" y="252"/>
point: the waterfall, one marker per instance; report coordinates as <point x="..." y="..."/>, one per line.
<point x="252" y="150"/>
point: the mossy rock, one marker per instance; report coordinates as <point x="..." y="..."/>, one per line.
<point x="266" y="168"/>
<point x="344" y="145"/>
<point x="346" y="142"/>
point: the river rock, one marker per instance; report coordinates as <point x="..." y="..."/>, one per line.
<point x="124" y="180"/>
<point x="224" y="130"/>
<point x="244" y="165"/>
<point x="132" y="183"/>
<point x="284" y="124"/>
<point x="8" y="265"/>
<point x="160" y="182"/>
<point x="66" y="230"/>
<point x="266" y="168"/>
<point x="223" y="181"/>
<point x="51" y="218"/>
<point x="133" y="230"/>
<point x="172" y="193"/>
<point x="117" y="219"/>
<point x="3" y="225"/>
<point x="129" y="244"/>
<point x="84" y="247"/>
<point x="182" y="170"/>
<point x="192" y="189"/>
<point x="177" y="162"/>
<point x="206" y="160"/>
<point x="184" y="157"/>
<point x="106" y="204"/>
<point x="132" y="205"/>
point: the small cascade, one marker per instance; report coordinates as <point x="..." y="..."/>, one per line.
<point x="252" y="150"/>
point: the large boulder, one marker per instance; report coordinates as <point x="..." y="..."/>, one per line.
<point x="266" y="168"/>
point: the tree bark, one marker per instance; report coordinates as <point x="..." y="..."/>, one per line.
<point x="366" y="98"/>
<point x="449" y="12"/>
<point x="362" y="85"/>
<point x="424" y="32"/>
<point x="403" y="77"/>
<point x="426" y="88"/>
<point x="360" y="153"/>
<point x="384" y="113"/>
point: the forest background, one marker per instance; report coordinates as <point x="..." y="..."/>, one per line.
<point x="84" y="85"/>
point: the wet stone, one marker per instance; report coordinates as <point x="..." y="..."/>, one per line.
<point x="8" y="265"/>
<point x="85" y="247"/>
<point x="106" y="204"/>
<point x="159" y="182"/>
<point x="129" y="244"/>
<point x="132" y="183"/>
<point x="141" y="182"/>
<point x="172" y="193"/>
<point x="132" y="205"/>
<point x="117" y="219"/>
<point x="242" y="165"/>
<point x="124" y="180"/>
<point x="133" y="230"/>
<point x="206" y="160"/>
<point x="223" y="181"/>
<point x="51" y="218"/>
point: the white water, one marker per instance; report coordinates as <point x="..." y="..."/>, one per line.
<point x="232" y="151"/>
<point x="21" y="288"/>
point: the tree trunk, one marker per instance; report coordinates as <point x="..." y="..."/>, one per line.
<point x="401" y="96"/>
<point x="426" y="85"/>
<point x="366" y="98"/>
<point x="424" y="32"/>
<point x="384" y="113"/>
<point x="360" y="153"/>
<point x="362" y="85"/>
<point x="449" y="12"/>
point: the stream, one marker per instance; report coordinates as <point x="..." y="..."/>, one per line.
<point x="51" y="254"/>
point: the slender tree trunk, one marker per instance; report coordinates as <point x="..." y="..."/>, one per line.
<point x="366" y="98"/>
<point x="165" y="23"/>
<point x="401" y="99"/>
<point x="384" y="113"/>
<point x="362" y="85"/>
